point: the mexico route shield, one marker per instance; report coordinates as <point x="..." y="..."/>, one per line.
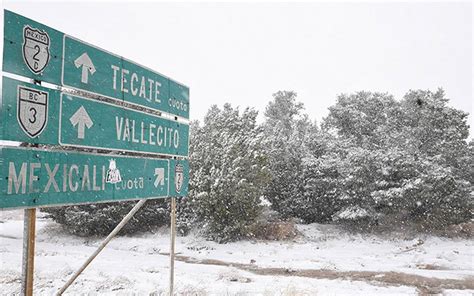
<point x="179" y="177"/>
<point x="35" y="49"/>
<point x="32" y="110"/>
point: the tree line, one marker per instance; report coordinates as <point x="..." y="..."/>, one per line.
<point x="373" y="160"/>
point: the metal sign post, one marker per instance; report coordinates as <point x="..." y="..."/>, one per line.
<point x="173" y="236"/>
<point x="102" y="245"/>
<point x="29" y="239"/>
<point x="28" y="252"/>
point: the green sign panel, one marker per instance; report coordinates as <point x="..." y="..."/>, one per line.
<point x="31" y="49"/>
<point x="91" y="123"/>
<point x="32" y="178"/>
<point x="42" y="53"/>
<point x="95" y="70"/>
<point x="31" y="113"/>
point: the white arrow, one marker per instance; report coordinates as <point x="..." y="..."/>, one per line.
<point x="160" y="177"/>
<point x="81" y="119"/>
<point x="85" y="62"/>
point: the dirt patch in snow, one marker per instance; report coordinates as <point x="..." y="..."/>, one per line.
<point x="425" y="285"/>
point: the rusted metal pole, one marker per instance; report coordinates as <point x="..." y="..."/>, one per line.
<point x="29" y="232"/>
<point x="173" y="236"/>
<point x="102" y="245"/>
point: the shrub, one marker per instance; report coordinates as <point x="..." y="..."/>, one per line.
<point x="101" y="219"/>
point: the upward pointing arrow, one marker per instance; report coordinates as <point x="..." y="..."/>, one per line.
<point x="85" y="62"/>
<point x="81" y="119"/>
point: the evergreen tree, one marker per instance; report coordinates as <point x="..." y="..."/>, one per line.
<point x="286" y="131"/>
<point x="436" y="135"/>
<point x="229" y="173"/>
<point x="402" y="157"/>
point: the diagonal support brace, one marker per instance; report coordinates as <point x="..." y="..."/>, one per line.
<point x="102" y="245"/>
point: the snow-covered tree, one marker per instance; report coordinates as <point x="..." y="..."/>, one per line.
<point x="228" y="172"/>
<point x="186" y="208"/>
<point x="287" y="131"/>
<point x="436" y="135"/>
<point x="322" y="188"/>
<point x="402" y="157"/>
<point x="365" y="118"/>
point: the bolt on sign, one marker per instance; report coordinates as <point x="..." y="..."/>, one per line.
<point x="33" y="177"/>
<point x="35" y="114"/>
<point x="34" y="50"/>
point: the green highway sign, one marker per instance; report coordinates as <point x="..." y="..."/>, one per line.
<point x="31" y="49"/>
<point x="33" y="177"/>
<point x="95" y="70"/>
<point x="91" y="123"/>
<point x="45" y="54"/>
<point x="35" y="114"/>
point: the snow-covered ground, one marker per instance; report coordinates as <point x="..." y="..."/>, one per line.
<point x="323" y="260"/>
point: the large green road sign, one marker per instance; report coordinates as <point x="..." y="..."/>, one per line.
<point x="93" y="69"/>
<point x="34" y="50"/>
<point x="90" y="123"/>
<point x="32" y="178"/>
<point x="35" y="114"/>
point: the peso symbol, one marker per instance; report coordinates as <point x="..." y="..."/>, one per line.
<point x="35" y="49"/>
<point x="32" y="110"/>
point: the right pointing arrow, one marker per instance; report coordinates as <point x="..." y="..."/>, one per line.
<point x="81" y="119"/>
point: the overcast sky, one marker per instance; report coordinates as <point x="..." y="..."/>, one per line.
<point x="243" y="52"/>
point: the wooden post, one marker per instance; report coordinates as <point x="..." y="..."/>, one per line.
<point x="28" y="263"/>
<point x="173" y="235"/>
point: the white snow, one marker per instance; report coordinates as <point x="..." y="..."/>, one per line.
<point x="134" y="265"/>
<point x="352" y="213"/>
